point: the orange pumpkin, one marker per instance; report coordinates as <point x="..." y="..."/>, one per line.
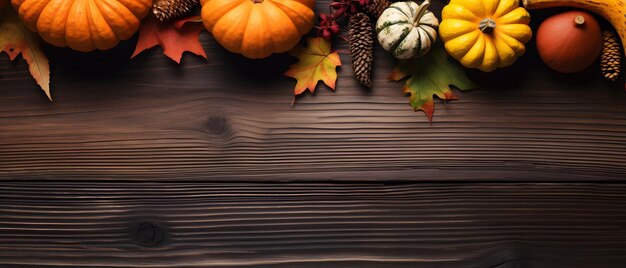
<point x="83" y="25"/>
<point x="258" y="28"/>
<point x="569" y="42"/>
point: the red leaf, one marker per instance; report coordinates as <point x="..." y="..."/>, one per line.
<point x="174" y="37"/>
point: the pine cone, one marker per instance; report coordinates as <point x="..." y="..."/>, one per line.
<point x="376" y="7"/>
<point x="611" y="57"/>
<point x="361" y="48"/>
<point x="165" y="10"/>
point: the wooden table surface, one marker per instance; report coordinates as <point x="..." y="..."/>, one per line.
<point x="144" y="163"/>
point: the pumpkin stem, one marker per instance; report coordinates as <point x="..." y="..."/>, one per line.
<point x="579" y="20"/>
<point x="257" y="1"/>
<point x="423" y="8"/>
<point x="487" y="25"/>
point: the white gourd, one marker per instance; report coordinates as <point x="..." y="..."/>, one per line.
<point x="407" y="29"/>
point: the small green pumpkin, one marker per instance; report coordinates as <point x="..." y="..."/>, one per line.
<point x="407" y="29"/>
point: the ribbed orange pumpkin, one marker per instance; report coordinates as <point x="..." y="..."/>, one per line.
<point x="258" y="28"/>
<point x="83" y="25"/>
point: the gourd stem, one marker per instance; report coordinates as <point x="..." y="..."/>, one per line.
<point x="487" y="25"/>
<point x="579" y="20"/>
<point x="257" y="1"/>
<point x="423" y="8"/>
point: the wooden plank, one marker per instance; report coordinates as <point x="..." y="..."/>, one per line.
<point x="311" y="225"/>
<point x="231" y="119"/>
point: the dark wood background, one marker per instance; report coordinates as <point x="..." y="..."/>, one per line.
<point x="144" y="163"/>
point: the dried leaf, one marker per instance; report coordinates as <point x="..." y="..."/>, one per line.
<point x="16" y="39"/>
<point x="317" y="62"/>
<point x="174" y="37"/>
<point x="431" y="75"/>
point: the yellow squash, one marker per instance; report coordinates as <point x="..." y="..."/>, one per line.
<point x="485" y="34"/>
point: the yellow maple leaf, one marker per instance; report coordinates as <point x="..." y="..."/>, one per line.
<point x="16" y="39"/>
<point x="317" y="62"/>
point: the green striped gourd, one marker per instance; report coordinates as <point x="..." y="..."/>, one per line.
<point x="407" y="29"/>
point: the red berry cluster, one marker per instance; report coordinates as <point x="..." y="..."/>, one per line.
<point x="328" y="22"/>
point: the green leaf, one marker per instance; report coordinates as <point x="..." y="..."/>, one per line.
<point x="431" y="75"/>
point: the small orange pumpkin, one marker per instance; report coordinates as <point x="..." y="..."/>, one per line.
<point x="569" y="42"/>
<point x="83" y="25"/>
<point x="258" y="28"/>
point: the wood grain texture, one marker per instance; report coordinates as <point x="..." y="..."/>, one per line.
<point x="312" y="225"/>
<point x="231" y="119"/>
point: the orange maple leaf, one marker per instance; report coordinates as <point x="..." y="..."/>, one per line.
<point x="317" y="62"/>
<point x="175" y="37"/>
<point x="16" y="39"/>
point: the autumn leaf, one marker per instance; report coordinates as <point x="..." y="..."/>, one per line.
<point x="16" y="39"/>
<point x="174" y="37"/>
<point x="431" y="75"/>
<point x="317" y="62"/>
